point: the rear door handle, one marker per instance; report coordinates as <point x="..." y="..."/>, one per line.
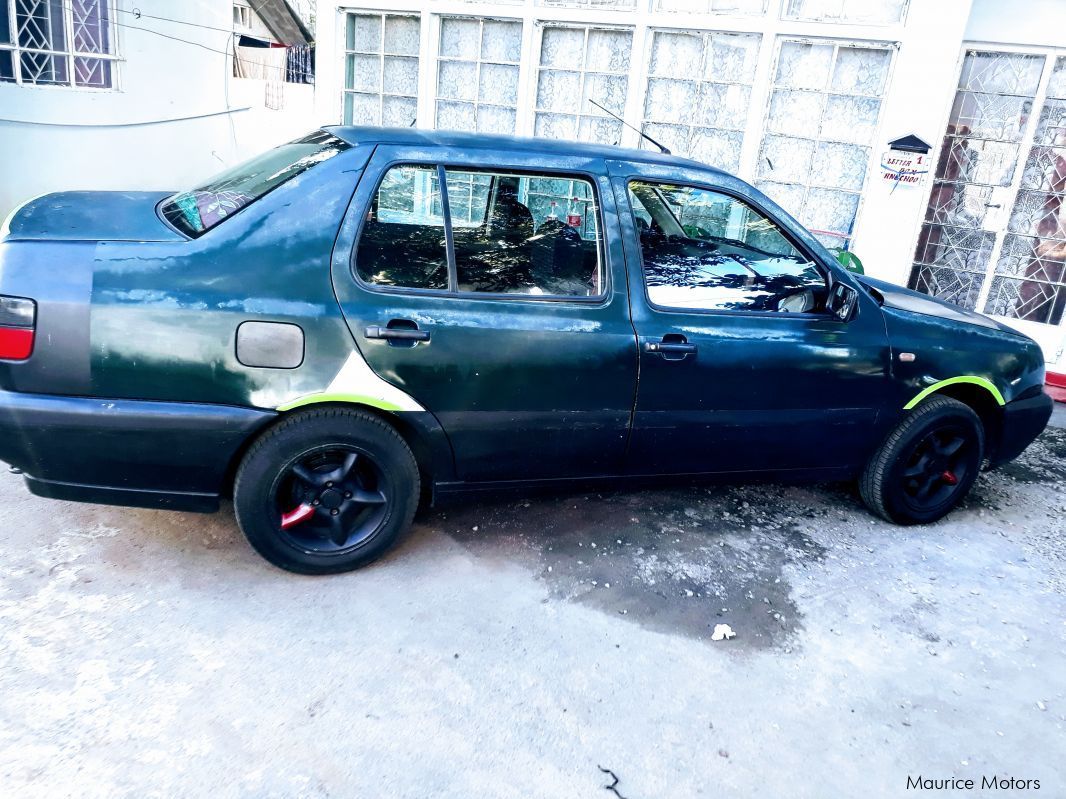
<point x="406" y="334"/>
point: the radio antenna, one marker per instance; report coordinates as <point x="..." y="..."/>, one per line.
<point x="641" y="133"/>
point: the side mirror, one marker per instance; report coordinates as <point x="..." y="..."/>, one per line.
<point x="842" y="301"/>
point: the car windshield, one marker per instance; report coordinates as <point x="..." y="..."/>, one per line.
<point x="196" y="211"/>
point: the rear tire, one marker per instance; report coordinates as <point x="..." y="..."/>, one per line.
<point x="926" y="465"/>
<point x="326" y="491"/>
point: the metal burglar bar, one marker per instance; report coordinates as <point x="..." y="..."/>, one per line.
<point x="977" y="169"/>
<point x="57" y="43"/>
<point x="1029" y="280"/>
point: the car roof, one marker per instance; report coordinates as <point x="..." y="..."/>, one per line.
<point x="489" y="141"/>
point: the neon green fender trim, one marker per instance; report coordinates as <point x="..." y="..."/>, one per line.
<point x="952" y="381"/>
<point x="354" y="399"/>
<point x="355" y="384"/>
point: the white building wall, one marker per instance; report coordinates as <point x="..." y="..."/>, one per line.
<point x="918" y="102"/>
<point x="176" y="116"/>
<point x="1025" y="22"/>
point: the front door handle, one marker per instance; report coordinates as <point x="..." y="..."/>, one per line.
<point x="402" y="330"/>
<point x="673" y="347"/>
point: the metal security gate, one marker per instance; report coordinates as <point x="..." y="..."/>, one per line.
<point x="994" y="235"/>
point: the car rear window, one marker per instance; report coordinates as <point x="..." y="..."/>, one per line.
<point x="196" y="211"/>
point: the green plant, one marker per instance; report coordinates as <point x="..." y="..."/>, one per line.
<point x="850" y="261"/>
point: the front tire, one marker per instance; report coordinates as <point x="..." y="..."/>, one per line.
<point x="926" y="465"/>
<point x="326" y="491"/>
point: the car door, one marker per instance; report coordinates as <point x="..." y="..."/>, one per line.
<point x="499" y="304"/>
<point x="741" y="366"/>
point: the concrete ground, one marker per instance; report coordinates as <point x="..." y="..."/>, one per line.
<point x="514" y="647"/>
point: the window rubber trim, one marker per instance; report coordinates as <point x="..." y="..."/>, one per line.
<point x="196" y="236"/>
<point x="603" y="298"/>
<point x="667" y="309"/>
<point x="449" y="235"/>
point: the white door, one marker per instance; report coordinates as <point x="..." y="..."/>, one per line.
<point x="994" y="235"/>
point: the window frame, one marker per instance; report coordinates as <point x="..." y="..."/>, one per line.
<point x="161" y="214"/>
<point x="709" y="10"/>
<point x="796" y="16"/>
<point x="825" y="269"/>
<point x="478" y="63"/>
<point x="382" y="14"/>
<point x="69" y="55"/>
<point x="841" y="239"/>
<point x="242" y="16"/>
<point x="587" y="5"/>
<point x="707" y="40"/>
<point x="453" y="292"/>
<point x="536" y="68"/>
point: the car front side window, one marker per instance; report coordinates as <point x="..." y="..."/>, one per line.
<point x="705" y="250"/>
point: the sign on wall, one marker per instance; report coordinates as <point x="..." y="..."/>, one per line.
<point x="906" y="163"/>
<point x="904" y="169"/>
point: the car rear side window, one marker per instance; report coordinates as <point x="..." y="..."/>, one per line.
<point x="196" y="211"/>
<point x="511" y="233"/>
<point x="403" y="240"/>
<point x="525" y="234"/>
<point x="705" y="250"/>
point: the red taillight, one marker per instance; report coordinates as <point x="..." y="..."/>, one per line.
<point x="18" y="319"/>
<point x="16" y="344"/>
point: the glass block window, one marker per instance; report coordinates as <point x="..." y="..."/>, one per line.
<point x="699" y="87"/>
<point x="612" y="4"/>
<point x="477" y="74"/>
<point x="57" y="43"/>
<point x="381" y="69"/>
<point x="578" y="63"/>
<point x="859" y="12"/>
<point x="820" y="129"/>
<point x="712" y="6"/>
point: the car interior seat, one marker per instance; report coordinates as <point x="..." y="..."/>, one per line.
<point x="510" y="219"/>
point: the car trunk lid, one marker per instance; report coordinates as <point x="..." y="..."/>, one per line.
<point x="91" y="216"/>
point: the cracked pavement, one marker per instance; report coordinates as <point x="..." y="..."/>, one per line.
<point x="511" y="647"/>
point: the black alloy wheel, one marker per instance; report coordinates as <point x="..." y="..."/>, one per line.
<point x="326" y="490"/>
<point x="926" y="465"/>
<point x="938" y="466"/>
<point x="331" y="499"/>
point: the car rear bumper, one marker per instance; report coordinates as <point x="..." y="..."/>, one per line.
<point x="1023" y="421"/>
<point x="125" y="452"/>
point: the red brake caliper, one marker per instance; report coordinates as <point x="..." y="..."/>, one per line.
<point x="949" y="477"/>
<point x="294" y="517"/>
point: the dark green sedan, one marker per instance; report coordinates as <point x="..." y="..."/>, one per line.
<point x="368" y="318"/>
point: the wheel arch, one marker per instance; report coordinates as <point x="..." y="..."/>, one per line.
<point x="977" y="393"/>
<point x="419" y="430"/>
